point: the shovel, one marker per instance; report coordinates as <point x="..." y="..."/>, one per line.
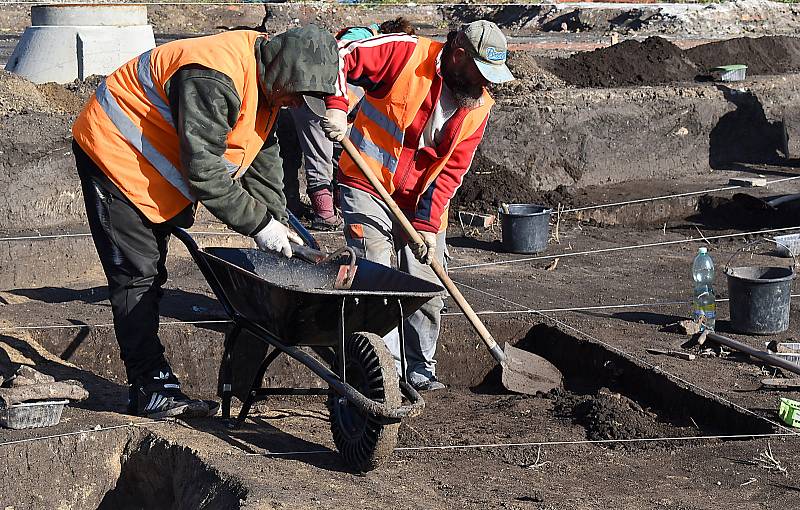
<point x="523" y="372"/>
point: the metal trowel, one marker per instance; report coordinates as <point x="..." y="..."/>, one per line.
<point x="345" y="274"/>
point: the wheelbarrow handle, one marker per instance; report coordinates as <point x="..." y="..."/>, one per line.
<point x="495" y="350"/>
<point x="304" y="234"/>
<point x="307" y="253"/>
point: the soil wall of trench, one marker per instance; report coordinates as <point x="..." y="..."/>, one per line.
<point x="581" y="137"/>
<point x="573" y="137"/>
<point x="119" y="469"/>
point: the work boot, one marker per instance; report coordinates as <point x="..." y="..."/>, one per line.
<point x="325" y="215"/>
<point x="428" y="384"/>
<point x="158" y="394"/>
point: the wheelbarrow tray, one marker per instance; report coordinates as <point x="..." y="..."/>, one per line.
<point x="296" y="301"/>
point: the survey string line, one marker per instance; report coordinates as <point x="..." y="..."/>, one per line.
<point x="575" y="442"/>
<point x="622" y="248"/>
<point x="448" y="314"/>
<point x="634" y="357"/>
<point x="80" y="432"/>
<point x="575" y="209"/>
<point x="108" y="325"/>
<point x="342" y="4"/>
<point x="674" y="195"/>
<point x="590" y="308"/>
<point x="88" y="234"/>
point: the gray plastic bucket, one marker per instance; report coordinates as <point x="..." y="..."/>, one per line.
<point x="759" y="299"/>
<point x="526" y="227"/>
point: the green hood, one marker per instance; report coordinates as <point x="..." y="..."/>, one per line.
<point x="299" y="60"/>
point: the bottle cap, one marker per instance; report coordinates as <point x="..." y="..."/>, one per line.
<point x="702" y="250"/>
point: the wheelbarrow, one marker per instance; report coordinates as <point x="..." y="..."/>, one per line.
<point x="344" y="305"/>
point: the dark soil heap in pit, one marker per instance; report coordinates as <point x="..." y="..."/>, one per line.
<point x="657" y="61"/>
<point x="483" y="191"/>
<point x="762" y="55"/>
<point x="608" y="415"/>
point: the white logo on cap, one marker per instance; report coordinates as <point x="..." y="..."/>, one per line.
<point x="493" y="54"/>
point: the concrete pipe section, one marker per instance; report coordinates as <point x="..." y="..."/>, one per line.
<point x="68" y="42"/>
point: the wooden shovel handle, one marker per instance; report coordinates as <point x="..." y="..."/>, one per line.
<point x="496" y="352"/>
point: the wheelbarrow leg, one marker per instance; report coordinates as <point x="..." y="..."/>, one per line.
<point x="227" y="374"/>
<point x="252" y="396"/>
<point x="402" y="337"/>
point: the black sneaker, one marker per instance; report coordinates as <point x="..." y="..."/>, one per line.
<point x="158" y="395"/>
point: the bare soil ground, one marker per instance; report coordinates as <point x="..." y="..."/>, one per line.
<point x="610" y="393"/>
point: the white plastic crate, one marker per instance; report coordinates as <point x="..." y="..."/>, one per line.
<point x="792" y="357"/>
<point x="29" y="415"/>
<point x="735" y="72"/>
<point x="788" y="245"/>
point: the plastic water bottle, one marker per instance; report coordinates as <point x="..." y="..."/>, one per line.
<point x="704" y="302"/>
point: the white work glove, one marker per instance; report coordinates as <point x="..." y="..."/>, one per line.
<point x="275" y="237"/>
<point x="334" y="124"/>
<point x="425" y="252"/>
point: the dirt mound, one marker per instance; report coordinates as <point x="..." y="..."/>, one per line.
<point x="529" y="74"/>
<point x="652" y="61"/>
<point x="20" y="96"/>
<point x="608" y="415"/>
<point x="483" y="190"/>
<point x="656" y="60"/>
<point x="762" y="55"/>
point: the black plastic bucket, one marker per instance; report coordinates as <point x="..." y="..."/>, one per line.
<point x="760" y="299"/>
<point x="526" y="227"/>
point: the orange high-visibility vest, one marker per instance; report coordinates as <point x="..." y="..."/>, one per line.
<point x="380" y="125"/>
<point x="128" y="130"/>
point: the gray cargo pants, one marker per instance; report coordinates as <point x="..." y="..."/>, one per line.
<point x="318" y="150"/>
<point x="369" y="229"/>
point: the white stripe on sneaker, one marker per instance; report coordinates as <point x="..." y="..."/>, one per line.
<point x="153" y="398"/>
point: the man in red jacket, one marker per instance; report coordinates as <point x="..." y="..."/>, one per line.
<point x="422" y="117"/>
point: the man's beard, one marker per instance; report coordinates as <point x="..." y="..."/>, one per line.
<point x="466" y="95"/>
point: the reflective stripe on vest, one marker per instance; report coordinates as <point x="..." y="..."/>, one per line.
<point x="370" y="149"/>
<point x="384" y="122"/>
<point x="135" y="137"/>
<point x="146" y="81"/>
<point x="367" y="146"/>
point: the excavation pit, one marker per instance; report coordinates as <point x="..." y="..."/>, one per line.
<point x="123" y="468"/>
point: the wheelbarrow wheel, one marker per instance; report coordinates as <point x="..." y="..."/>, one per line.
<point x="365" y="440"/>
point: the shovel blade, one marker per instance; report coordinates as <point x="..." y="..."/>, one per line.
<point x="527" y="373"/>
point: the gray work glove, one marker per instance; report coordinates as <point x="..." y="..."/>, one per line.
<point x="334" y="124"/>
<point x="427" y="251"/>
<point x="275" y="237"/>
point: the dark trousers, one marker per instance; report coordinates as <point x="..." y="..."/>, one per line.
<point x="133" y="252"/>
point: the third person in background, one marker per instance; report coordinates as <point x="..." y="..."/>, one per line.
<point x="319" y="152"/>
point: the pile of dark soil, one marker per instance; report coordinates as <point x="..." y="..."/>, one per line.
<point x="656" y="60"/>
<point x="608" y="415"/>
<point x="485" y="190"/>
<point x="653" y="61"/>
<point x="762" y="55"/>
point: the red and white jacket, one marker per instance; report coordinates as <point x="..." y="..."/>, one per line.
<point x="423" y="175"/>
